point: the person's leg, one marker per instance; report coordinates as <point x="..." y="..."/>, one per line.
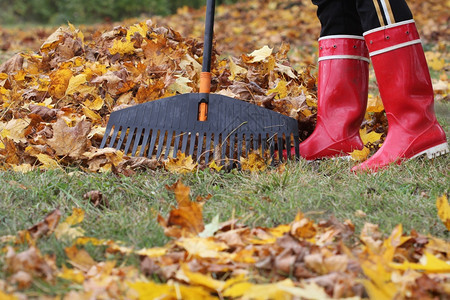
<point x="404" y="83"/>
<point x="338" y="17"/>
<point x="342" y="82"/>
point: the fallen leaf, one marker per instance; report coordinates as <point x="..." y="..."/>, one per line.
<point x="260" y="54"/>
<point x="181" y="164"/>
<point x="97" y="199"/>
<point x="443" y="210"/>
<point x="70" y="141"/>
<point x="79" y="258"/>
<point x="47" y="226"/>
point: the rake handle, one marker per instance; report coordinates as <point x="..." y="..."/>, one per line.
<point x="209" y="33"/>
<point x="205" y="76"/>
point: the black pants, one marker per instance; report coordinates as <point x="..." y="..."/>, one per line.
<point x="353" y="17"/>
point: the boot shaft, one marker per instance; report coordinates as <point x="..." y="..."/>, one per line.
<point x="402" y="73"/>
<point x="343" y="82"/>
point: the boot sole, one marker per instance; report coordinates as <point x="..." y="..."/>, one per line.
<point x="434" y="152"/>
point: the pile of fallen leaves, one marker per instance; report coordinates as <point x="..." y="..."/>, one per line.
<point x="56" y="102"/>
<point x="228" y="260"/>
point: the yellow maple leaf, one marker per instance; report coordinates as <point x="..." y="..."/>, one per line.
<point x="204" y="248"/>
<point x="443" y="208"/>
<point x="122" y="47"/>
<point x="76" y="217"/>
<point x="59" y="80"/>
<point x="47" y="162"/>
<point x="235" y="70"/>
<point x="74" y="83"/>
<point x="140" y="28"/>
<point x="199" y="279"/>
<point x="91" y="114"/>
<point x="71" y="275"/>
<point x="213" y="165"/>
<point x="280" y="90"/>
<point x="253" y="163"/>
<point x="181" y="164"/>
<point x="65" y="229"/>
<point x="370" y="137"/>
<point x="260" y="54"/>
<point x="374" y="104"/>
<point x="96" y="104"/>
<point x="360" y="155"/>
<point x="151" y="290"/>
<point x="79" y="258"/>
<point x="180" y="85"/>
<point x="14" y="130"/>
<point x="427" y="263"/>
<point x="247" y="290"/>
<point x="379" y="286"/>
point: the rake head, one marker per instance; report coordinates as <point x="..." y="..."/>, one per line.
<point x="233" y="129"/>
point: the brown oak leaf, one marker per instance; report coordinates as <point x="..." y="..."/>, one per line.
<point x="70" y="141"/>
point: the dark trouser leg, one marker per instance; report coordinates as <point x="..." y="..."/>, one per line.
<point x="377" y="13"/>
<point x="338" y="17"/>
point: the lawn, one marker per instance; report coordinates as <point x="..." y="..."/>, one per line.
<point x="130" y="207"/>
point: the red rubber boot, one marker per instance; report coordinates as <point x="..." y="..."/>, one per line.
<point x="342" y="97"/>
<point x="407" y="94"/>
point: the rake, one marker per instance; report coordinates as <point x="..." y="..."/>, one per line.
<point x="202" y="125"/>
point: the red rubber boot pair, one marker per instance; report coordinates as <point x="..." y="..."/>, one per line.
<point x="406" y="91"/>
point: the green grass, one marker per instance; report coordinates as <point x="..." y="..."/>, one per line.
<point x="405" y="194"/>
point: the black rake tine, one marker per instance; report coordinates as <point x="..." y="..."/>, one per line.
<point x="280" y="148"/>
<point x="208" y="147"/>
<point x="123" y="135"/>
<point x="248" y="138"/>
<point x="215" y="144"/>
<point x="152" y="143"/>
<point x="137" y="140"/>
<point x="129" y="139"/>
<point x="272" y="149"/>
<point x="192" y="145"/>
<point x="162" y="134"/>
<point x="263" y="144"/>
<point x="288" y="147"/>
<point x="239" y="146"/>
<point x="144" y="141"/>
<point x="200" y="145"/>
<point x="184" y="142"/>
<point x="297" y="148"/>
<point x="114" y="136"/>
<point x="169" y="142"/>
<point x="232" y="141"/>
<point x="175" y="144"/>
<point x="224" y="148"/>
<point x="256" y="142"/>
<point x="106" y="135"/>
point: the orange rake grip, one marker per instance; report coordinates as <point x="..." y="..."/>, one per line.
<point x="205" y="88"/>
